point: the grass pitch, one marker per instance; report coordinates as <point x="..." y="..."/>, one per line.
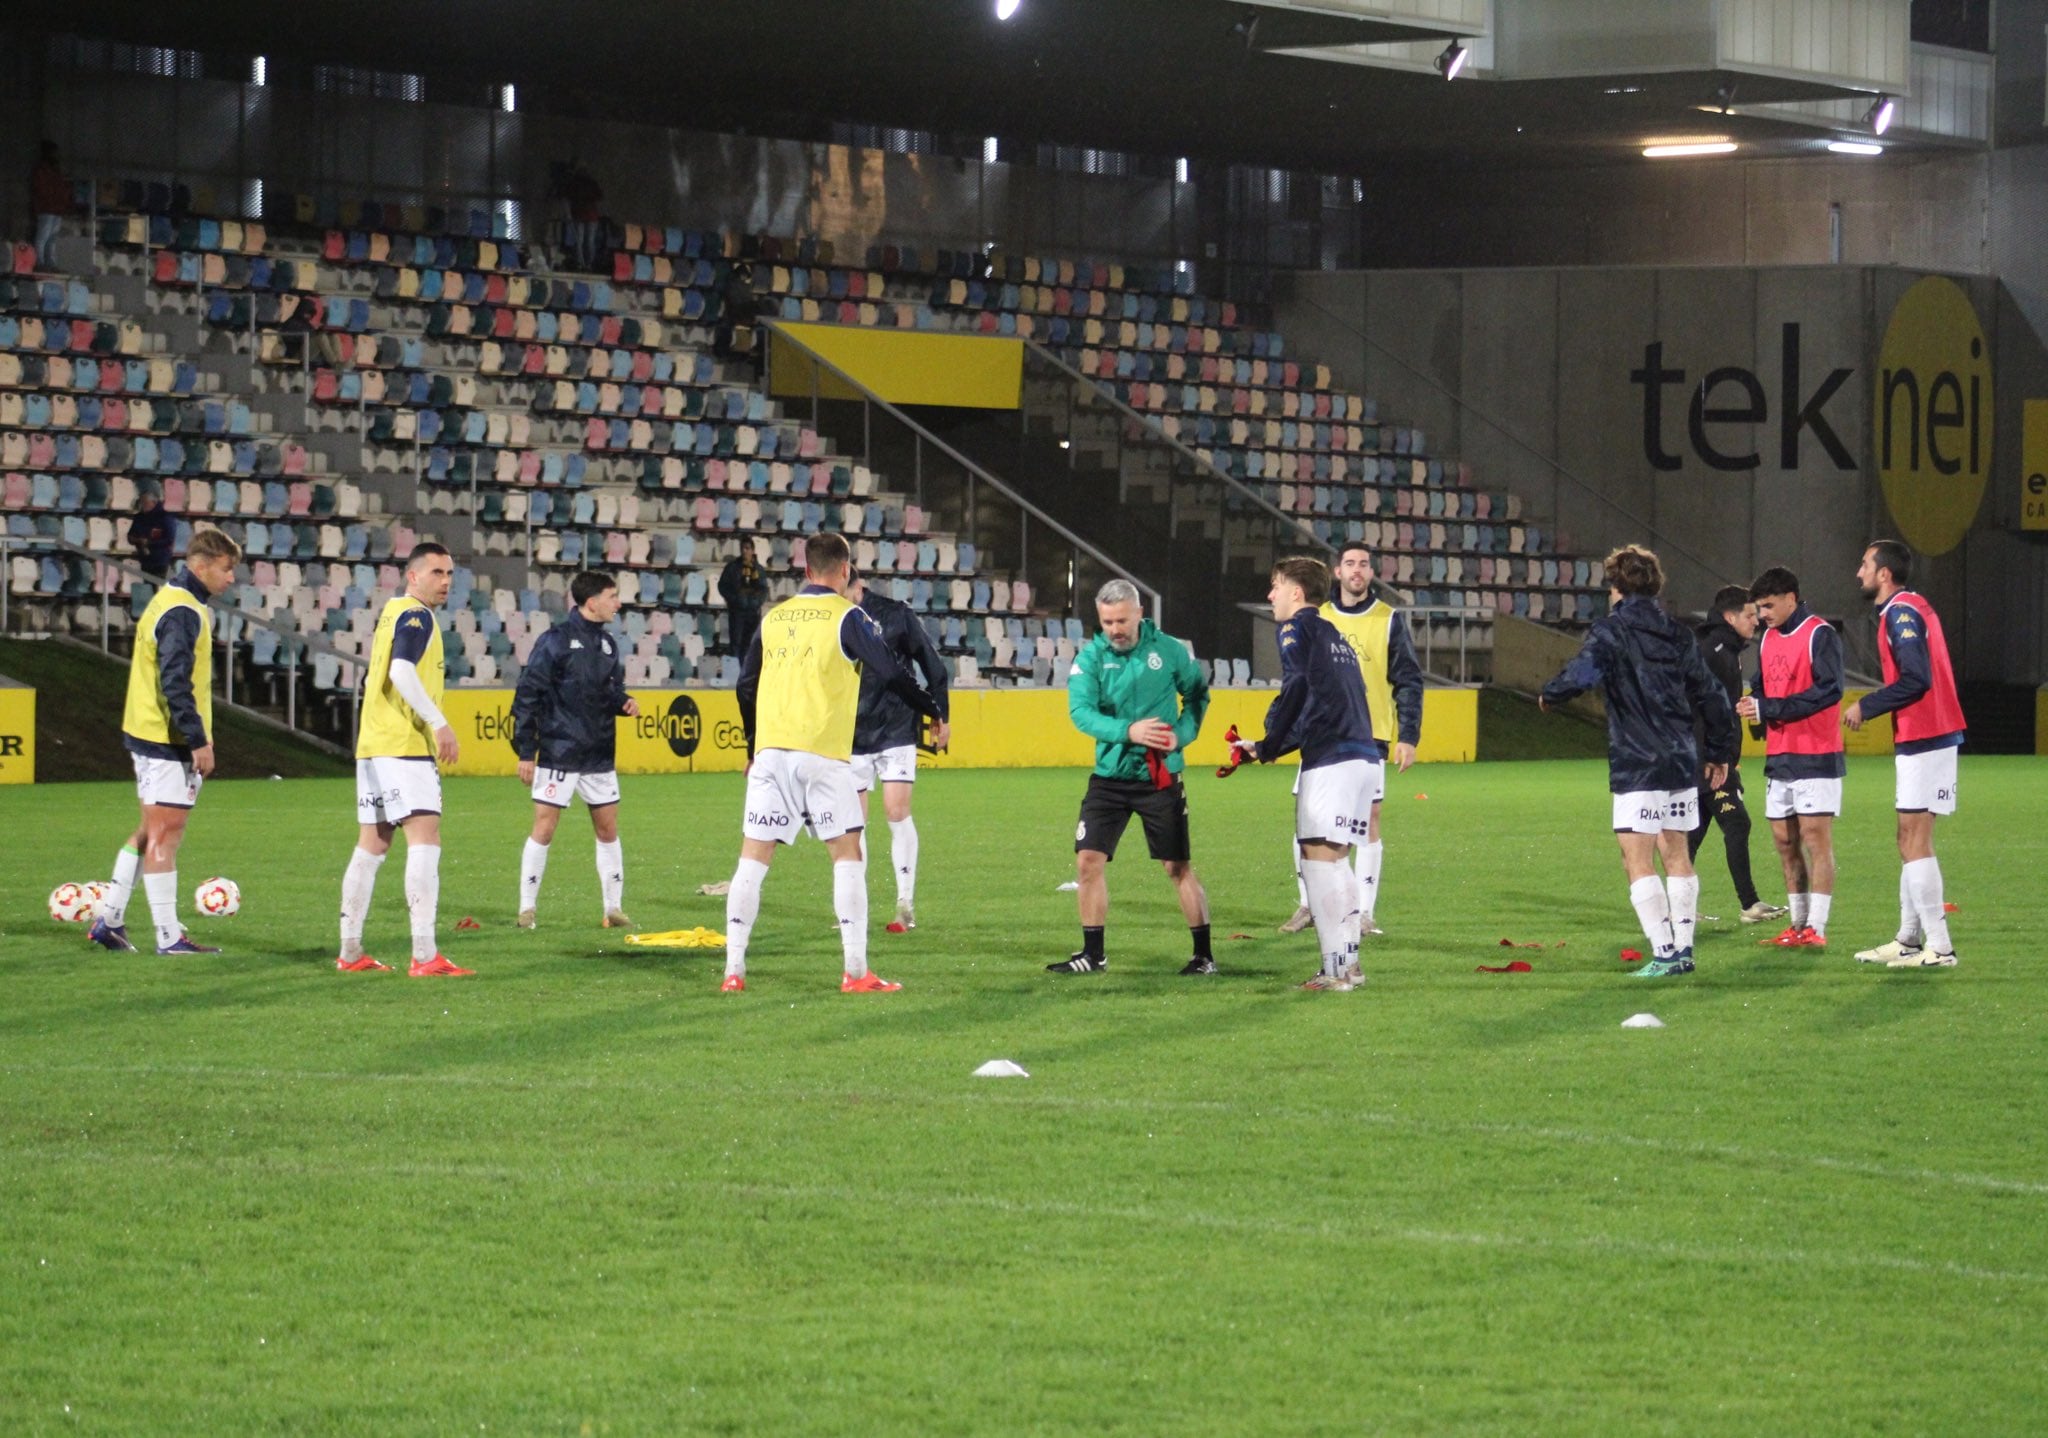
<point x="586" y="1193"/>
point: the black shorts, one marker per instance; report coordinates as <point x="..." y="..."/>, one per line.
<point x="1108" y="805"/>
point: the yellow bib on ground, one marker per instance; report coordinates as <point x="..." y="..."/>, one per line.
<point x="388" y="729"/>
<point x="147" y="715"/>
<point x="810" y="690"/>
<point x="1366" y="633"/>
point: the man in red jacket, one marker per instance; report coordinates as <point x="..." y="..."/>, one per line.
<point x="1927" y="728"/>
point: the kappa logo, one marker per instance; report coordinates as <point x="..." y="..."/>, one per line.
<point x="575" y="643"/>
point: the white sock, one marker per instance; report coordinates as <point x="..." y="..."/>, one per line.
<point x="1910" y="933"/>
<point x="1300" y="883"/>
<point x="357" y="882"/>
<point x="611" y="874"/>
<point x="1797" y="904"/>
<point x="1332" y="896"/>
<point x="1653" y="909"/>
<point x="742" y="907"/>
<point x="850" y="903"/>
<point x="533" y="866"/>
<point x="903" y="854"/>
<point x="1817" y="906"/>
<point x="127" y="866"/>
<point x="1683" y="895"/>
<point x="163" y="907"/>
<point x="1925" y="877"/>
<point x="423" y="895"/>
<point x="1368" y="870"/>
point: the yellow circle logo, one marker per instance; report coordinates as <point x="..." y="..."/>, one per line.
<point x="1931" y="417"/>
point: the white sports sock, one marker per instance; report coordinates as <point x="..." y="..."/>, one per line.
<point x="1368" y="870"/>
<point x="357" y="883"/>
<point x="1925" y="878"/>
<point x="1300" y="883"/>
<point x="1653" y="909"/>
<point x="850" y="903"/>
<point x="1797" y="904"/>
<point x="127" y="867"/>
<point x="611" y="874"/>
<point x="1683" y="894"/>
<point x="163" y="907"/>
<point x="742" y="907"/>
<point x="423" y="895"/>
<point x="533" y="867"/>
<point x="903" y="854"/>
<point x="1332" y="897"/>
<point x="1817" y="906"/>
<point x="1910" y="933"/>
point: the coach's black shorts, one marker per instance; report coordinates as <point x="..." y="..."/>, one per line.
<point x="1108" y="805"/>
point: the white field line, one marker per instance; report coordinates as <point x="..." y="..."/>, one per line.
<point x="1319" y="1114"/>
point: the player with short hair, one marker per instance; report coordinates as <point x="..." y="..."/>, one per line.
<point x="565" y="732"/>
<point x="1322" y="710"/>
<point x="885" y="735"/>
<point x="1927" y="728"/>
<point x="1140" y="695"/>
<point x="1800" y="707"/>
<point x="399" y="737"/>
<point x="1378" y="635"/>
<point x="799" y="694"/>
<point x="1731" y="623"/>
<point x="1648" y="665"/>
<point x="167" y="729"/>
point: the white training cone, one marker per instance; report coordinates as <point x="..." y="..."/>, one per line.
<point x="1642" y="1021"/>
<point x="1067" y="888"/>
<point x="1000" y="1068"/>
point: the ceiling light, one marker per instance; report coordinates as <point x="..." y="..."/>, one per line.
<point x="1701" y="147"/>
<point x="1879" y="115"/>
<point x="1452" y="60"/>
<point x="1623" y="90"/>
<point x="1854" y="147"/>
<point x="1006" y="8"/>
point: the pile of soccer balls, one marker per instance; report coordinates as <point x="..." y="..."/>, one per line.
<point x="79" y="903"/>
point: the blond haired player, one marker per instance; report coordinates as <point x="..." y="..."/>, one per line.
<point x="167" y="728"/>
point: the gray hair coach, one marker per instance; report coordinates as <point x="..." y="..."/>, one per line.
<point x="1117" y="591"/>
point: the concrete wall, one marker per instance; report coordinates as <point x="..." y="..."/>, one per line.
<point x="1540" y="378"/>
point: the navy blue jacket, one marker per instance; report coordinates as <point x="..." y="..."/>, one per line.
<point x="885" y="721"/>
<point x="177" y="645"/>
<point x="1650" y="669"/>
<point x="573" y="688"/>
<point x="1321" y="707"/>
<point x="153" y="533"/>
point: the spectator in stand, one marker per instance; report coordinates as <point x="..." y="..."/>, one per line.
<point x="49" y="198"/>
<point x="586" y="200"/>
<point x="743" y="585"/>
<point x="151" y="532"/>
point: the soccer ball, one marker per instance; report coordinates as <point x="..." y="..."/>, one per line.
<point x="217" y="898"/>
<point x="95" y="895"/>
<point x="71" y="903"/>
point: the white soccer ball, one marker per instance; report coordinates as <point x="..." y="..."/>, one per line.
<point x="217" y="898"/>
<point x="96" y="895"/>
<point x="71" y="903"/>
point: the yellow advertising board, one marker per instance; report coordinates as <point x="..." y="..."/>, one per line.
<point x="2034" y="464"/>
<point x="1932" y="414"/>
<point x="901" y="366"/>
<point x="17" y="733"/>
<point x="698" y="730"/>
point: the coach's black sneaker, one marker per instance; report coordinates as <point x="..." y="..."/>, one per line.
<point x="1199" y="964"/>
<point x="1081" y="963"/>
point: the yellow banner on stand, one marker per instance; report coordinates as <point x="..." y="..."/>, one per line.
<point x="17" y="733"/>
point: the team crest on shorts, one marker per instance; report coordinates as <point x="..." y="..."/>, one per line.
<point x="1080" y="831"/>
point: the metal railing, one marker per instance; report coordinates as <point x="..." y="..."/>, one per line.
<point x="230" y="624"/>
<point x="943" y="479"/>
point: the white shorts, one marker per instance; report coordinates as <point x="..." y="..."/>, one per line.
<point x="173" y="783"/>
<point x="1333" y="803"/>
<point x="1655" y="811"/>
<point x="891" y="766"/>
<point x="1379" y="786"/>
<point x="1927" y="781"/>
<point x="1818" y="797"/>
<point x="788" y="790"/>
<point x="391" y="790"/>
<point x="557" y="787"/>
